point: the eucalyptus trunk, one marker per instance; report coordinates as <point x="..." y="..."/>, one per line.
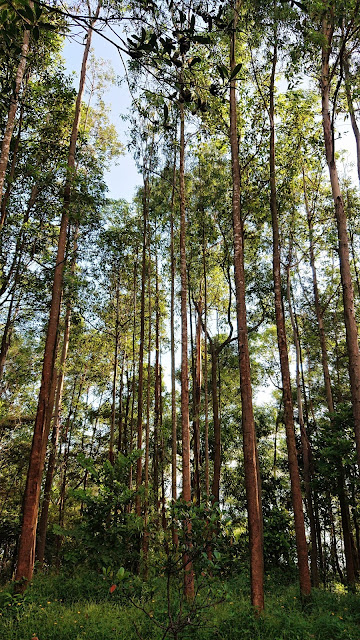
<point x="301" y="546"/>
<point x="343" y="247"/>
<point x="251" y="464"/>
<point x="26" y="551"/>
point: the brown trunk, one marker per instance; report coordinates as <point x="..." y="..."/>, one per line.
<point x="157" y="390"/>
<point x="345" y="272"/>
<point x="349" y="99"/>
<point x="197" y="401"/>
<point x="334" y="553"/>
<point x="318" y="311"/>
<point x="43" y="522"/>
<point x="305" y="444"/>
<point x="215" y="489"/>
<point x="185" y="426"/>
<point x="252" y="473"/>
<point x="304" y="574"/>
<point x="346" y="528"/>
<point x="141" y="346"/>
<point x="121" y="391"/>
<point x="145" y="545"/>
<point x="115" y="376"/>
<point x="206" y="395"/>
<point x="172" y="347"/>
<point x="8" y="329"/>
<point x="9" y="127"/>
<point x="131" y="440"/>
<point x="6" y="196"/>
<point x="26" y="552"/>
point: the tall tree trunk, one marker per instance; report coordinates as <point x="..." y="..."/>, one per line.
<point x="157" y="389"/>
<point x="304" y="574"/>
<point x="5" y="199"/>
<point x="120" y="410"/>
<point x="115" y="376"/>
<point x="197" y="402"/>
<point x="141" y="345"/>
<point x="304" y="439"/>
<point x="215" y="489"/>
<point x="252" y="474"/>
<point x="26" y="552"/>
<point x="9" y="127"/>
<point x="206" y="395"/>
<point x="131" y="440"/>
<point x="185" y="426"/>
<point x="8" y="329"/>
<point x="43" y="522"/>
<point x="345" y="272"/>
<point x="172" y="347"/>
<point x="351" y="110"/>
<point x="147" y="433"/>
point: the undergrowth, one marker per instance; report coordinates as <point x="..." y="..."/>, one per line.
<point x="81" y="607"/>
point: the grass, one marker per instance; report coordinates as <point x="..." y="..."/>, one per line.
<point x="60" y="607"/>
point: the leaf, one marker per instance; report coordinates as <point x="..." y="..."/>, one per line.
<point x="166" y="112"/>
<point x="194" y="61"/>
<point x="36" y="33"/>
<point x="121" y="573"/>
<point x="112" y="588"/>
<point x="235" y="71"/>
<point x="224" y="73"/>
<point x="27" y="13"/>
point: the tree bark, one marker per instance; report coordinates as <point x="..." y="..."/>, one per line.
<point x="340" y="215"/>
<point x="9" y="127"/>
<point x="252" y="473"/>
<point x="141" y="345"/>
<point x="26" y="552"/>
<point x="172" y="348"/>
<point x="304" y="574"/>
<point x="350" y="103"/>
<point x="115" y="376"/>
<point x="189" y="587"/>
<point x="305" y="444"/>
<point x="43" y="522"/>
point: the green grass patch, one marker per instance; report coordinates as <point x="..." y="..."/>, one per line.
<point x="61" y="607"/>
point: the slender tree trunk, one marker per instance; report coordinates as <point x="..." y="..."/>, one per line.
<point x="6" y="196"/>
<point x="147" y="433"/>
<point x="340" y="215"/>
<point x="304" y="574"/>
<point x="9" y="127"/>
<point x="346" y="528"/>
<point x="215" y="489"/>
<point x="252" y="474"/>
<point x="157" y="389"/>
<point x="318" y="311"/>
<point x="197" y="402"/>
<point x="351" y="110"/>
<point x="141" y="346"/>
<point x="26" y="552"/>
<point x="8" y="329"/>
<point x="131" y="442"/>
<point x="334" y="552"/>
<point x="206" y="395"/>
<point x="185" y="426"/>
<point x="115" y="376"/>
<point x="304" y="440"/>
<point x="121" y="392"/>
<point x="172" y="347"/>
<point x="43" y="522"/>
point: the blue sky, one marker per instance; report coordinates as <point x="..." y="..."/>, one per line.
<point x="123" y="178"/>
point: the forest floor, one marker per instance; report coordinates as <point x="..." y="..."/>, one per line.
<point x="60" y="607"/>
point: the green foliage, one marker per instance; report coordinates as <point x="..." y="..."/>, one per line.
<point x="63" y="607"/>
